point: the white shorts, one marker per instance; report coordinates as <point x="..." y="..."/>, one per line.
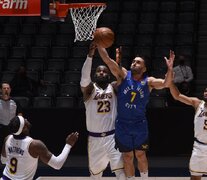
<point x="198" y="160"/>
<point x="101" y="152"/>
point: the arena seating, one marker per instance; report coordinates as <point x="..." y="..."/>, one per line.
<point x="148" y="28"/>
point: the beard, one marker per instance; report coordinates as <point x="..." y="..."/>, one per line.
<point x="136" y="70"/>
<point x="102" y="80"/>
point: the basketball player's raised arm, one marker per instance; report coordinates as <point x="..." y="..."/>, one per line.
<point x="193" y="101"/>
<point x="86" y="83"/>
<point x="38" y="149"/>
<point x="169" y="63"/>
<point x="118" y="72"/>
<point x="159" y="83"/>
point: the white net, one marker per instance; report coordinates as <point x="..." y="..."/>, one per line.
<point x="85" y="21"/>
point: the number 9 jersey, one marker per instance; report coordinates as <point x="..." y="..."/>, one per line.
<point x="20" y="164"/>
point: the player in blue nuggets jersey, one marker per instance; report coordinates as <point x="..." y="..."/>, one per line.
<point x="131" y="129"/>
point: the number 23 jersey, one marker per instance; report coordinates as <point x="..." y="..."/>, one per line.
<point x="101" y="109"/>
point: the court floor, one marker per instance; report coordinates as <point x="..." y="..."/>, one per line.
<point x="113" y="178"/>
<point x="76" y="168"/>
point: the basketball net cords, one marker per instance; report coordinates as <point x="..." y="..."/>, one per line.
<point x="85" y="21"/>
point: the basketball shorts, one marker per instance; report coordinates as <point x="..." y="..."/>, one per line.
<point x="131" y="136"/>
<point x="198" y="165"/>
<point x="101" y="152"/>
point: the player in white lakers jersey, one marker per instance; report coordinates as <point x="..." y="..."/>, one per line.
<point x="100" y="103"/>
<point x="198" y="165"/>
<point x="20" y="152"/>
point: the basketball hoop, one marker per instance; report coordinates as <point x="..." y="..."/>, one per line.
<point x="84" y="16"/>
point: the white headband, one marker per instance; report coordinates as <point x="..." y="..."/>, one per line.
<point x="21" y="126"/>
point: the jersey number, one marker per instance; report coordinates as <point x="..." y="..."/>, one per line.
<point x="13" y="165"/>
<point x="103" y="106"/>
<point x="133" y="96"/>
<point x="205" y="124"/>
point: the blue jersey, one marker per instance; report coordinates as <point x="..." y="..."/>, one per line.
<point x="132" y="98"/>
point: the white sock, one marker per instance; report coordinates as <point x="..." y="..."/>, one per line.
<point x="131" y="178"/>
<point x="120" y="175"/>
<point x="144" y="175"/>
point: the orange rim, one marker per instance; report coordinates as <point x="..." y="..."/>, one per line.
<point x="62" y="9"/>
<point x="74" y="5"/>
<point x="82" y="5"/>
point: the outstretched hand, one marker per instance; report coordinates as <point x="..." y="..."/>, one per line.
<point x="170" y="61"/>
<point x="72" y="138"/>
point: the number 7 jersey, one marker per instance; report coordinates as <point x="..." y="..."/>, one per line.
<point x="101" y="109"/>
<point x="133" y="97"/>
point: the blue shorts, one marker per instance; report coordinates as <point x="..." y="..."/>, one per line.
<point x="131" y="135"/>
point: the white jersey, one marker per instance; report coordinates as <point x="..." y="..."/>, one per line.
<point x="20" y="164"/>
<point x="199" y="154"/>
<point x="200" y="123"/>
<point x="101" y="109"/>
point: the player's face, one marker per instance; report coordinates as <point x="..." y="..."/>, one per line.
<point x="6" y="89"/>
<point x="138" y="66"/>
<point x="205" y="95"/>
<point x="102" y="74"/>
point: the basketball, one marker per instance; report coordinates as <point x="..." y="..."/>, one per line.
<point x="104" y="37"/>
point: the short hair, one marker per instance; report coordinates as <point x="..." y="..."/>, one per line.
<point x="102" y="65"/>
<point x="147" y="61"/>
<point x="4" y="82"/>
